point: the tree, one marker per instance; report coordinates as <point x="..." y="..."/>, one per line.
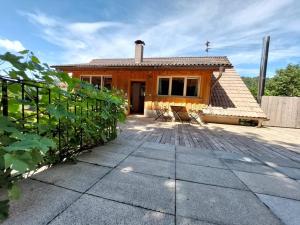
<point x="286" y="82"/>
<point x="251" y="83"/>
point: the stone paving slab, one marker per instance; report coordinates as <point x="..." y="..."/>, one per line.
<point x="168" y="155"/>
<point x="102" y="158"/>
<point x="116" y="148"/>
<point x="149" y="166"/>
<point x="200" y="160"/>
<point x="221" y="205"/>
<point x="290" y="172"/>
<point x="235" y="156"/>
<point x="184" y="149"/>
<point x="272" y="185"/>
<point x="79" y="176"/>
<point x="188" y="221"/>
<point x="94" y="210"/>
<point x="39" y="203"/>
<point x="147" y="191"/>
<point x="251" y="167"/>
<point x="158" y="146"/>
<point x="279" y="162"/>
<point x="286" y="209"/>
<point x="130" y="142"/>
<point x="208" y="175"/>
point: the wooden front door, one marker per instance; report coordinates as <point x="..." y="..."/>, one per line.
<point x="137" y="97"/>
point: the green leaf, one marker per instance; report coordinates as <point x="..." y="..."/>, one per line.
<point x="8" y="126"/>
<point x="35" y="59"/>
<point x="14" y="192"/>
<point x="24" y="52"/>
<point x="30" y="142"/>
<point x="13" y="162"/>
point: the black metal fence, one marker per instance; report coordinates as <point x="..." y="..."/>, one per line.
<point x="27" y="103"/>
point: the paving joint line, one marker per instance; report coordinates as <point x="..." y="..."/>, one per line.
<point x="214" y="185"/>
<point x="130" y="204"/>
<point x="257" y="198"/>
<point x="92" y="185"/>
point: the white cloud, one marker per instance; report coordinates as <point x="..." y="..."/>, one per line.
<point x="235" y="29"/>
<point x="10" y="45"/>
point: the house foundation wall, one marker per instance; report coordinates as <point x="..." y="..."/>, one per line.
<point x="220" y="119"/>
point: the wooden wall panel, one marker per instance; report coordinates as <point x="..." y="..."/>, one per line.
<point x="281" y="111"/>
<point x="121" y="79"/>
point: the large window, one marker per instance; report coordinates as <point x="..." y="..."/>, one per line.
<point x="192" y="87"/>
<point x="107" y="82"/>
<point x="163" y="86"/>
<point x="98" y="81"/>
<point x="178" y="86"/>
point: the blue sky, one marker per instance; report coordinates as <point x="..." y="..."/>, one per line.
<point x="74" y="31"/>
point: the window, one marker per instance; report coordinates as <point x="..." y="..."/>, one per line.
<point x="192" y="87"/>
<point x="163" y="86"/>
<point x="98" y="81"/>
<point x="107" y="82"/>
<point x="178" y="86"/>
<point x="86" y="79"/>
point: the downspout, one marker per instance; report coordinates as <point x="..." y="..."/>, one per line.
<point x="221" y="71"/>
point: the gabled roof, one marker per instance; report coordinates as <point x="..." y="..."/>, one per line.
<point x="231" y="97"/>
<point x="214" y="61"/>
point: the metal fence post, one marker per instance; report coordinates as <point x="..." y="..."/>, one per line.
<point x="4" y="99"/>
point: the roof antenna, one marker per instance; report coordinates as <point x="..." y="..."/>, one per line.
<point x="207" y="44"/>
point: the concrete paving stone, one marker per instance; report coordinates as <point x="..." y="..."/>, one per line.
<point x="198" y="159"/>
<point x="79" y="176"/>
<point x="147" y="191"/>
<point x="184" y="149"/>
<point x="221" y="205"/>
<point x="102" y="158"/>
<point x="208" y="175"/>
<point x="188" y="221"/>
<point x="286" y="209"/>
<point x="251" y="167"/>
<point x="123" y="141"/>
<point x="148" y="166"/>
<point x="235" y="156"/>
<point x="272" y="185"/>
<point x="39" y="203"/>
<point x="158" y="146"/>
<point x="116" y="148"/>
<point x="279" y="162"/>
<point x="291" y="172"/>
<point x="109" y="213"/>
<point x="168" y="155"/>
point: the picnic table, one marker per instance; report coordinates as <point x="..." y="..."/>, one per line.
<point x="180" y="113"/>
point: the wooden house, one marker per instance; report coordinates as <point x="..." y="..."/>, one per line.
<point x="193" y="82"/>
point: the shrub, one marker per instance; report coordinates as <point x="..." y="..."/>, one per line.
<point x="48" y="117"/>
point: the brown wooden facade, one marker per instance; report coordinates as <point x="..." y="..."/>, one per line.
<point x="122" y="78"/>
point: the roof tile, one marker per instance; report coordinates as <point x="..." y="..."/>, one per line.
<point x="231" y="97"/>
<point x="159" y="61"/>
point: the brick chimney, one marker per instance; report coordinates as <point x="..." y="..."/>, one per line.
<point x="139" y="50"/>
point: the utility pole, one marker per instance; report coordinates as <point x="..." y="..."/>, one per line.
<point x="263" y="68"/>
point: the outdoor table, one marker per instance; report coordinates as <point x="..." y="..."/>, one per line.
<point x="176" y="110"/>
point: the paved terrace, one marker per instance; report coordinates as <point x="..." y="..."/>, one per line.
<point x="170" y="173"/>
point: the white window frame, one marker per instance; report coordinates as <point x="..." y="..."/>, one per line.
<point x="102" y="76"/>
<point x="184" y="86"/>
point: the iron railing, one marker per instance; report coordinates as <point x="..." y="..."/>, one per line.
<point x="26" y="102"/>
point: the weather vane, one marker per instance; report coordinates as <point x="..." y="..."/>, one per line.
<point x="207" y="44"/>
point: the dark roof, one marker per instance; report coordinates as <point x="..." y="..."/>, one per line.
<point x="214" y="61"/>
